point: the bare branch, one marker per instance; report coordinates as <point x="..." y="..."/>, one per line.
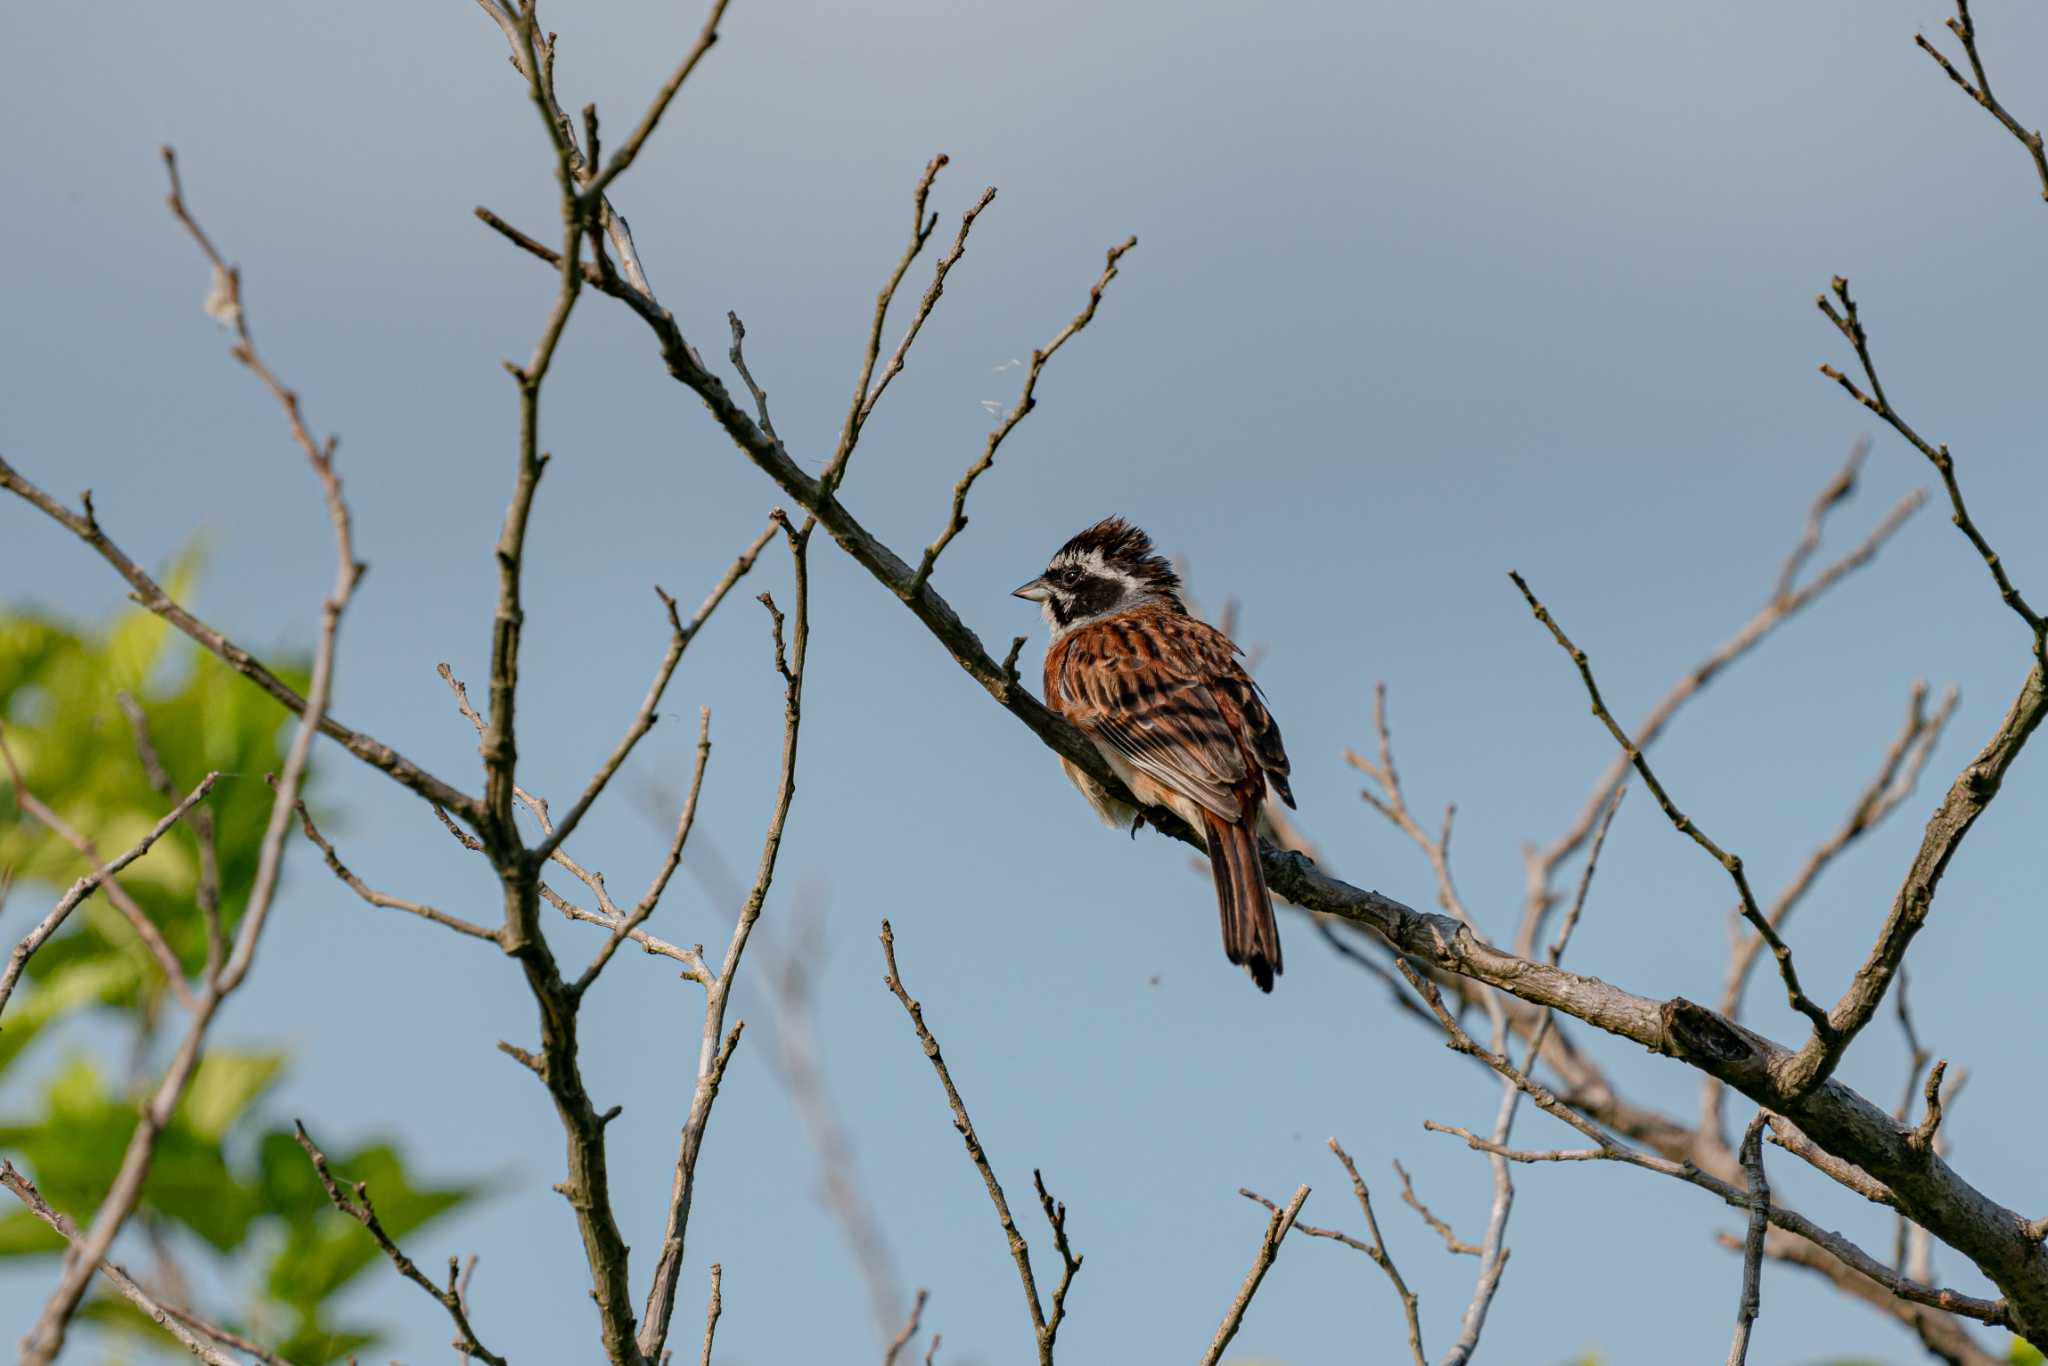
<point x="381" y="899"/>
<point x="84" y="886"/>
<point x="138" y="919"/>
<point x="1269" y="1248"/>
<point x="1897" y="776"/>
<point x="1797" y="996"/>
<point x="1850" y="326"/>
<point x="712" y="1055"/>
<point x="1606" y="1148"/>
<point x="179" y="1325"/>
<point x="1966" y="30"/>
<point x="1788" y="1136"/>
<point x="46" y="1338"/>
<point x="1784" y="603"/>
<point x="925" y="306"/>
<point x="1940" y="1332"/>
<point x="902" y="1339"/>
<point x="921" y="228"/>
<point x="1753" y="1254"/>
<point x="680" y="636"/>
<point x="593" y="191"/>
<point x="1070" y="1260"/>
<point x="712" y="1310"/>
<point x="956" y="522"/>
<point x="645" y="907"/>
<point x="1043" y="1329"/>
<point x="738" y="356"/>
<point x="201" y="821"/>
<point x="1410" y="1303"/>
<point x="359" y="1208"/>
<point x="1452" y="1242"/>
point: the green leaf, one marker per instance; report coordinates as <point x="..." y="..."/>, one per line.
<point x="94" y="981"/>
<point x="2021" y="1354"/>
<point x="223" y="1086"/>
<point x="24" y="1235"/>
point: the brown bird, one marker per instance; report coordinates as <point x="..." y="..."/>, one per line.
<point x="1171" y="711"/>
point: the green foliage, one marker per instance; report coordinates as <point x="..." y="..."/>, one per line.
<point x="226" y="1184"/>
<point x="2021" y="1354"/>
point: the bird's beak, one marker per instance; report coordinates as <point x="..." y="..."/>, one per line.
<point x="1035" y="591"/>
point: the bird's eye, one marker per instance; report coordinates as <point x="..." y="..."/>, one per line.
<point x="1070" y="574"/>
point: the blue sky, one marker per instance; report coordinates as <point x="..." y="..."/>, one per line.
<point x="1422" y="294"/>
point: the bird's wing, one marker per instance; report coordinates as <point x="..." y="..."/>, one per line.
<point x="1162" y="695"/>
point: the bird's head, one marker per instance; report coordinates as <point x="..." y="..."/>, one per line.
<point x="1105" y="570"/>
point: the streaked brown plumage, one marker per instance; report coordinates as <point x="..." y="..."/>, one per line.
<point x="1162" y="695"/>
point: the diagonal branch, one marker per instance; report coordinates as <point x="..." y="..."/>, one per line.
<point x="1269" y="1248"/>
<point x="1044" y="1329"/>
<point x="383" y="900"/>
<point x="593" y="190"/>
<point x="1375" y="1250"/>
<point x="921" y="227"/>
<point x="1684" y="824"/>
<point x="150" y="595"/>
<point x="81" y="889"/>
<point x="1850" y="326"/>
<point x="180" y="1325"/>
<point x="680" y="636"/>
<point x="359" y="1208"/>
<point x="956" y="522"/>
<point x="1784" y="602"/>
<point x="46" y="1338"/>
<point x="714" y="1055"/>
<point x="1606" y="1148"/>
<point x="1966" y="30"/>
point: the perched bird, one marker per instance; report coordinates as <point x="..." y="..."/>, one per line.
<point x="1172" y="712"/>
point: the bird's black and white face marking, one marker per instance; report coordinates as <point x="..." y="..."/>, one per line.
<point x="1104" y="571"/>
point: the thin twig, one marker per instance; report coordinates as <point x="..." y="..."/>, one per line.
<point x="358" y="1207"/>
<point x="1850" y="326"/>
<point x="902" y="1339"/>
<point x="716" y="1044"/>
<point x="1753" y="1253"/>
<point x="138" y="919"/>
<point x="178" y="1324"/>
<point x="712" y="1309"/>
<point x="1684" y="824"/>
<point x="207" y="893"/>
<point x="921" y="226"/>
<point x="1043" y="1329"/>
<point x="1269" y="1248"/>
<point x="83" y="887"/>
<point x="1410" y="1302"/>
<point x="956" y="521"/>
<point x="381" y="899"/>
<point x="1966" y="30"/>
<point x="1452" y="1242"/>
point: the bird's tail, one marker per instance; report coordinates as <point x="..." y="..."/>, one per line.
<point x="1250" y="936"/>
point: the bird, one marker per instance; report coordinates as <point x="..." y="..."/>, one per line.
<point x="1162" y="697"/>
